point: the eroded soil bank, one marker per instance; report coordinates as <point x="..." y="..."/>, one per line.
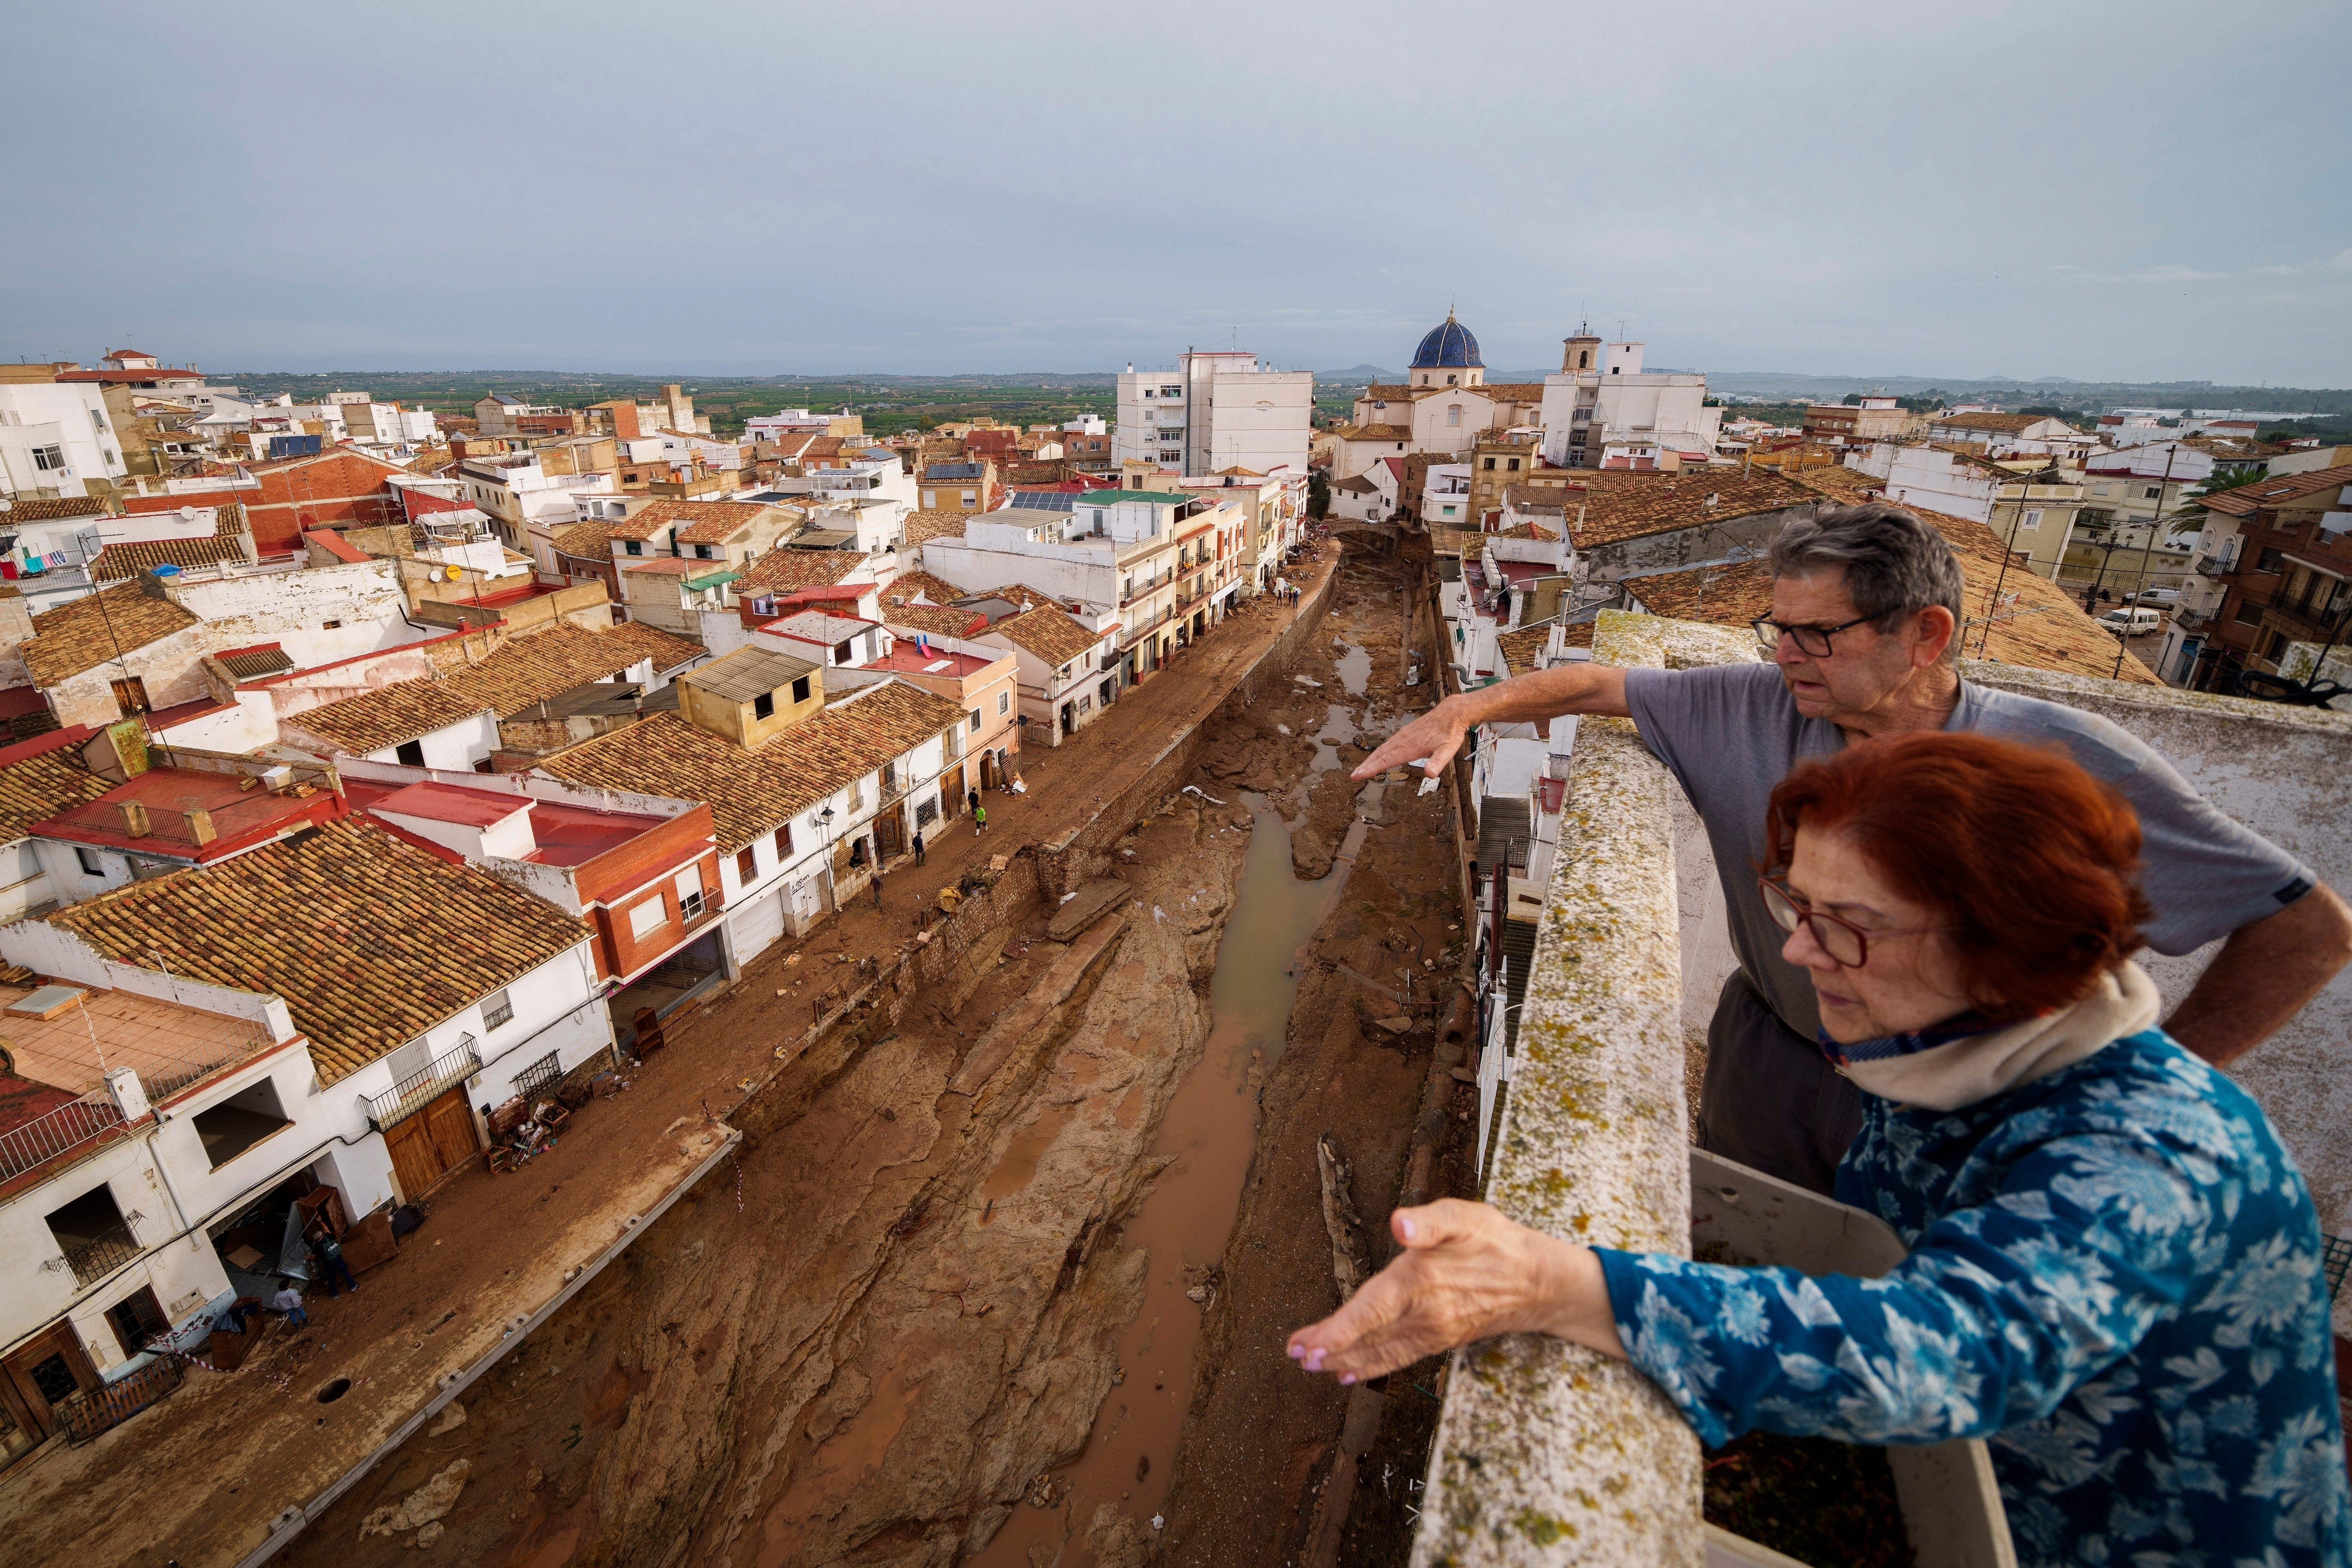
<point x="924" y="1321"/>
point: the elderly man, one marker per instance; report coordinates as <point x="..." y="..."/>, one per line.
<point x="1864" y="642"/>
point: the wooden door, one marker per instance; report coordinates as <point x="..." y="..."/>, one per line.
<point x="890" y="834"/>
<point x="452" y="1122"/>
<point x="45" y="1371"/>
<point x="431" y="1143"/>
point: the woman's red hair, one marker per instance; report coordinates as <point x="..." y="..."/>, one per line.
<point x="2033" y="862"/>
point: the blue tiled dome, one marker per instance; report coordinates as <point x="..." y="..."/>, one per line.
<point x="1447" y="347"/>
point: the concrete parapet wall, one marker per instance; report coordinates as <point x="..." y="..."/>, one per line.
<point x="1548" y="1452"/>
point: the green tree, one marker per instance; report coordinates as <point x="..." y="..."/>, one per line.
<point x="2226" y="479"/>
<point x="1318" y="495"/>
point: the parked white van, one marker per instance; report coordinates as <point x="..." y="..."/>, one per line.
<point x="2131" y="622"/>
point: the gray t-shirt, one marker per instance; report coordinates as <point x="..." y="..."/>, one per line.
<point x="1730" y="733"/>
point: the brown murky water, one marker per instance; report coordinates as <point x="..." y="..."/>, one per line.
<point x="1211" y="1126"/>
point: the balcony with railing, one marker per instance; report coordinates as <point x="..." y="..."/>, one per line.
<point x="1547" y="1453"/>
<point x="418" y="1089"/>
<point x="63" y="1131"/>
<point x="93" y="1257"/>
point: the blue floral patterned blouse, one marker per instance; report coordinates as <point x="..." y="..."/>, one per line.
<point x="2114" y="1278"/>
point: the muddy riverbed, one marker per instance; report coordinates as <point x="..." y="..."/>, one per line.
<point x="1032" y="1316"/>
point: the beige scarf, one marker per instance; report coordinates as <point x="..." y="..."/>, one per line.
<point x="1947" y="1077"/>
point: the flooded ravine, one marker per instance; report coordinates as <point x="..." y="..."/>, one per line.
<point x="1210" y="1128"/>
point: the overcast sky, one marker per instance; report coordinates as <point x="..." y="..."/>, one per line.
<point x="2135" y="191"/>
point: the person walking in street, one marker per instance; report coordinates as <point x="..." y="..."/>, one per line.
<point x="979" y="820"/>
<point x="329" y="1252"/>
<point x="973" y="802"/>
<point x="1862" y="643"/>
<point x="918" y="846"/>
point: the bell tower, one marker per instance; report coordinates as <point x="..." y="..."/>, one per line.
<point x="1580" y="355"/>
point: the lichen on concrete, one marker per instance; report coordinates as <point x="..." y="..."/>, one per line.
<point x="1548" y="1452"/>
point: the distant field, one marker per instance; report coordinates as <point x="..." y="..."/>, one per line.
<point x="889" y="404"/>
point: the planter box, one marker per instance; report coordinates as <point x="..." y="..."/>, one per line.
<point x="1951" y="1507"/>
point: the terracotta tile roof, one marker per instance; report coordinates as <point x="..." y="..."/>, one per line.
<point x="1501" y="391"/>
<point x="1553" y="497"/>
<point x="2232" y="447"/>
<point x="751" y="791"/>
<point x="1389" y="392"/>
<point x="372" y="942"/>
<point x="663" y="565"/>
<point x="533" y="669"/>
<point x="588" y="541"/>
<point x="923" y="585"/>
<point x="781" y="570"/>
<point x="937" y="614"/>
<point x="717" y="521"/>
<point x="1577" y="634"/>
<point x="657" y="517"/>
<point x="84" y="633"/>
<point x="942" y="620"/>
<point x="1519" y="649"/>
<point x="121" y="561"/>
<point x="1373" y="433"/>
<point x="1048" y="632"/>
<point x="667" y="651"/>
<point x="58" y="510"/>
<point x="925" y="526"/>
<point x="37" y="787"/>
<point x="1529" y="530"/>
<point x="2246" y="499"/>
<point x="1727" y="596"/>
<point x="2003" y="424"/>
<point x="2043" y="628"/>
<point x="262" y="658"/>
<point x="388" y="716"/>
<point x="1015" y="594"/>
<point x="1618" y="504"/>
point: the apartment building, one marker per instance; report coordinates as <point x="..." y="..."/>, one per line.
<point x="2270" y="569"/>
<point x="1215" y="410"/>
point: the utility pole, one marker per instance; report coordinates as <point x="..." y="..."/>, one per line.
<point x="2123" y="641"/>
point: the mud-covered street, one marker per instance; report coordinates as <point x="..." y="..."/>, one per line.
<point x="1001" y="1278"/>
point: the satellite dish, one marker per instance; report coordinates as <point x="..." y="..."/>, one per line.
<point x="187" y="514"/>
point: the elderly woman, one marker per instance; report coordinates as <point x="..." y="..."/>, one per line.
<point x="2114" y="1272"/>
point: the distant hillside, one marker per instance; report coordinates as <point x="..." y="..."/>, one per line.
<point x="2052" y="390"/>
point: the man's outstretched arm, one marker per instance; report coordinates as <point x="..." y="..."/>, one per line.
<point x="2262" y="977"/>
<point x="1538" y="694"/>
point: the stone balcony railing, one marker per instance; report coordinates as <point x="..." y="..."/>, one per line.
<point x="1547" y="1453"/>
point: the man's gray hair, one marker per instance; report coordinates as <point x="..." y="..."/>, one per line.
<point x="1890" y="559"/>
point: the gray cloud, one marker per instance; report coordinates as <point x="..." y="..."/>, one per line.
<point x="2095" y="190"/>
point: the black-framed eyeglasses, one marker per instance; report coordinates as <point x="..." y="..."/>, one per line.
<point x="1847" y="943"/>
<point x="1813" y="640"/>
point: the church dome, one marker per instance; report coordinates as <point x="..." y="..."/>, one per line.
<point x="1448" y="346"/>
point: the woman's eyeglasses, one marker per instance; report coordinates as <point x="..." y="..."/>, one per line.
<point x="1847" y="944"/>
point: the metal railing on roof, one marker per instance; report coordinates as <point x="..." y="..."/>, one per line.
<point x="55" y="1132"/>
<point x="418" y="1090"/>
